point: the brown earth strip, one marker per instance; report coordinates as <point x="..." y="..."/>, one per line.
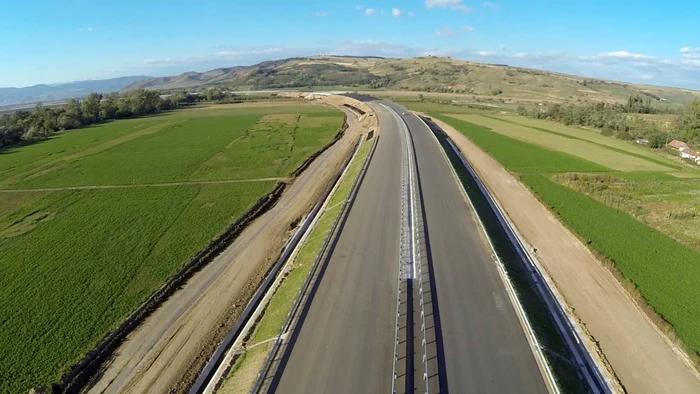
<point x="640" y="355"/>
<point x="167" y="352"/>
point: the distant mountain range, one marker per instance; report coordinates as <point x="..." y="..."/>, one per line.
<point x="64" y="91"/>
<point x="462" y="79"/>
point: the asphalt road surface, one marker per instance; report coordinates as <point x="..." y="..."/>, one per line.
<point x="485" y="348"/>
<point x="344" y="344"/>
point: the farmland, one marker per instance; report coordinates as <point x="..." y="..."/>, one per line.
<point x="153" y="192"/>
<point x="630" y="218"/>
<point x="520" y="157"/>
<point x="603" y="155"/>
<point x="664" y="271"/>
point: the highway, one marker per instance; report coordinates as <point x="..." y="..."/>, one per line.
<point x="485" y="348"/>
<point x="344" y="342"/>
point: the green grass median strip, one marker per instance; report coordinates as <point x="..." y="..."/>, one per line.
<point x="282" y="302"/>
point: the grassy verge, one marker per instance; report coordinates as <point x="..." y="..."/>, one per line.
<point x="282" y="302"/>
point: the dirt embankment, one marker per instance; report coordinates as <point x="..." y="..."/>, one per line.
<point x="81" y="374"/>
<point x="643" y="359"/>
<point x="166" y="353"/>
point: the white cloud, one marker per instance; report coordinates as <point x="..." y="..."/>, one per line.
<point x="624" y="55"/>
<point x="646" y="77"/>
<point x="503" y="47"/>
<point x="491" y="5"/>
<point x="86" y="29"/>
<point x="690" y="53"/>
<point x="447" y="32"/>
<point x="370" y="11"/>
<point x="396" y="13"/>
<point x="321" y="14"/>
<point x="520" y="55"/>
<point x="484" y="53"/>
<point x="467" y="28"/>
<point x="449" y="4"/>
<point x="411" y="13"/>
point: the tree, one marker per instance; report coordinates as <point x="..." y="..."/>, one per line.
<point x="74" y="108"/>
<point x="68" y="121"/>
<point x="522" y="110"/>
<point x="91" y="108"/>
<point x="108" y="106"/>
<point x="658" y="140"/>
<point x="690" y="118"/>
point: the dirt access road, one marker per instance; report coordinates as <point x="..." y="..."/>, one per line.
<point x="639" y="354"/>
<point x="166" y="353"/>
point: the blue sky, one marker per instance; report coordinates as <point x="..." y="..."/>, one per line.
<point x="44" y="41"/>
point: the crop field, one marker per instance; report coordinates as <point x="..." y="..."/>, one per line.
<point x="155" y="191"/>
<point x="518" y="156"/>
<point x="616" y="159"/>
<point x="669" y="205"/>
<point x="646" y="223"/>
<point x="665" y="272"/>
<point x="613" y="144"/>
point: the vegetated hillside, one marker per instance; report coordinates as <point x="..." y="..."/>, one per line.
<point x="43" y="93"/>
<point x="425" y="74"/>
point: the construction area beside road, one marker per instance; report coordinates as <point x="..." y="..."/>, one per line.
<point x="166" y="353"/>
<point x="639" y="355"/>
<point x="471" y="326"/>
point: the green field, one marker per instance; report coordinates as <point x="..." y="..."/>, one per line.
<point x="518" y="156"/>
<point x="615" y="212"/>
<point x="604" y="155"/>
<point x="76" y="263"/>
<point x="665" y="272"/>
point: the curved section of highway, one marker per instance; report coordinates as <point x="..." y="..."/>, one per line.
<point x="344" y="341"/>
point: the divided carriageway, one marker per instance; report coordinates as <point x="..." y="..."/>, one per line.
<point x="409" y="299"/>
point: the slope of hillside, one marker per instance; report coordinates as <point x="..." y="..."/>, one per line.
<point x="424" y="74"/>
<point x="42" y="93"/>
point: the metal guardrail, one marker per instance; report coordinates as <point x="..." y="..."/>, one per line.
<point x="585" y="363"/>
<point x="314" y="269"/>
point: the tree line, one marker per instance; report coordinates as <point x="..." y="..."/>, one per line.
<point x="42" y="122"/>
<point x="616" y="120"/>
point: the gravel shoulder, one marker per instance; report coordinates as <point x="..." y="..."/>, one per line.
<point x="641" y="357"/>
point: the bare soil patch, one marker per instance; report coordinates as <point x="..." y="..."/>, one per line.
<point x="641" y="356"/>
<point x="167" y="352"/>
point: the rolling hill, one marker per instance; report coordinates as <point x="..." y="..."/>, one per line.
<point x="44" y="93"/>
<point x="425" y="74"/>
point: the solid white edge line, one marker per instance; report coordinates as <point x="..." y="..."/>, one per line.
<point x="532" y="339"/>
